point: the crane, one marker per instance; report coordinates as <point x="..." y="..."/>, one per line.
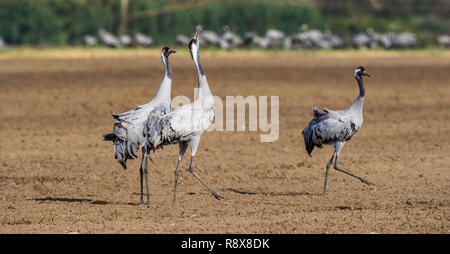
<point x="185" y="124"/>
<point x="129" y="136"/>
<point x="337" y="127"/>
<point x="108" y="38"/>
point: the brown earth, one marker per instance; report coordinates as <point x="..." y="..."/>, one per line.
<point x="58" y="176"/>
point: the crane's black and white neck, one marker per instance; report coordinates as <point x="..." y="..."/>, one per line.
<point x="164" y="91"/>
<point x="358" y="76"/>
<point x="203" y="87"/>
<point x="166" y="51"/>
<point x="194" y="49"/>
<point x="359" y="101"/>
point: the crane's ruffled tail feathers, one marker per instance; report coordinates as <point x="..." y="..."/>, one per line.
<point x="120" y="150"/>
<point x="115" y="116"/>
<point x="109" y="137"/>
<point x="308" y="138"/>
<point x="123" y="150"/>
<point x="309" y="145"/>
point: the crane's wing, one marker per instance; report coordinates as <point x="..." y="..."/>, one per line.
<point x="317" y="113"/>
<point x="136" y="113"/>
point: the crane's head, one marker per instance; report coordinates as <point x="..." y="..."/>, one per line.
<point x="361" y="71"/>
<point x="166" y="51"/>
<point x="194" y="44"/>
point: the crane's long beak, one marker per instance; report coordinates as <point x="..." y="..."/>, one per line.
<point x="172" y="51"/>
<point x="197" y="33"/>
<point x="367" y="74"/>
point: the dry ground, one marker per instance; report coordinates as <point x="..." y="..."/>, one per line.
<point x="58" y="176"/>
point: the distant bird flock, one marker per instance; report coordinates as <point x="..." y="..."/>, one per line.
<point x="274" y="39"/>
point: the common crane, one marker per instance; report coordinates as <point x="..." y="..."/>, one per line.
<point x="108" y="38"/>
<point x="185" y="124"/>
<point x="129" y="136"/>
<point x="336" y="127"/>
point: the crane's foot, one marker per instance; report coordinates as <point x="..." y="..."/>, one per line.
<point x="350" y="174"/>
<point x="366" y="182"/>
<point x="217" y="196"/>
<point x="146" y="203"/>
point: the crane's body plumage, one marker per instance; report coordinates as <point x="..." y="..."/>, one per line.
<point x="129" y="135"/>
<point x="332" y="127"/>
<point x="336" y="127"/>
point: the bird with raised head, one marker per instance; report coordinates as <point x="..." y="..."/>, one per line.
<point x="185" y="125"/>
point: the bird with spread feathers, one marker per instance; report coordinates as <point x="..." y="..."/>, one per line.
<point x="185" y="125"/>
<point x="337" y="127"/>
<point x="129" y="135"/>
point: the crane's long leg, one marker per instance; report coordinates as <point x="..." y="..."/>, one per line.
<point x="350" y="174"/>
<point x="203" y="182"/>
<point x="194" y="145"/>
<point x="141" y="174"/>
<point x="326" y="173"/>
<point x="146" y="179"/>
<point x="183" y="147"/>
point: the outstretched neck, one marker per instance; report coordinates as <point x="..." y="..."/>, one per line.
<point x="359" y="101"/>
<point x="164" y="91"/>
<point x="167" y="66"/>
<point x="361" y="86"/>
<point x="200" y="70"/>
<point x="203" y="87"/>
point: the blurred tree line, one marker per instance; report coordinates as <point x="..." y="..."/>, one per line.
<point x="64" y="22"/>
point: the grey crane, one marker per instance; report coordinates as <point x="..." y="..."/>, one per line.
<point x="336" y="127"/>
<point x="143" y="40"/>
<point x="108" y="38"/>
<point x="129" y="136"/>
<point x="2" y="43"/>
<point x="185" y="125"/>
<point x="182" y="40"/>
<point x="125" y="40"/>
<point x="209" y="38"/>
<point x="90" y="41"/>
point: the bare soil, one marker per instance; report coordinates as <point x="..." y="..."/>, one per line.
<point x="57" y="175"/>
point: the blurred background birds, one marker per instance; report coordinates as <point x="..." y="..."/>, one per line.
<point x="291" y="25"/>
